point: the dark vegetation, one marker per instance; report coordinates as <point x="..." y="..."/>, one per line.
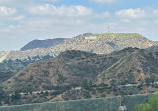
<point x="79" y="75"/>
<point x="152" y="105"/>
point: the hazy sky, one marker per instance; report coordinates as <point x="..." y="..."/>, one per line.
<point x="24" y="20"/>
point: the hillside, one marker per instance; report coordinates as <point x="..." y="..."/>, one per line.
<point x="97" y="43"/>
<point x="10" y="67"/>
<point x="3" y="55"/>
<point x="75" y="68"/>
<point x="154" y="48"/>
<point x="19" y="64"/>
<point x="75" y="74"/>
<point x="136" y="67"/>
<point x="5" y="75"/>
<point x="42" y="43"/>
<point x="49" y="73"/>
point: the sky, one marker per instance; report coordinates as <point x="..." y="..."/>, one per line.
<point x="24" y="20"/>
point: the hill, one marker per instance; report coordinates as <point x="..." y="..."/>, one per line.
<point x="154" y="48"/>
<point x="82" y="69"/>
<point x="50" y="73"/>
<point x="19" y="64"/>
<point x="5" y="75"/>
<point x="3" y="55"/>
<point x="134" y="67"/>
<point x="75" y="74"/>
<point x="42" y="43"/>
<point x="98" y="43"/>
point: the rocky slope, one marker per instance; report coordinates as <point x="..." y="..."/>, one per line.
<point x="97" y="43"/>
<point x="5" y="75"/>
<point x="73" y="68"/>
<point x="135" y="67"/>
<point x="79" y="75"/>
<point x="3" y="55"/>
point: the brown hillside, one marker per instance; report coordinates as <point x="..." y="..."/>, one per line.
<point x="127" y="66"/>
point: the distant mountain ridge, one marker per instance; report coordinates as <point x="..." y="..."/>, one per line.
<point x="103" y="43"/>
<point x="42" y="43"/>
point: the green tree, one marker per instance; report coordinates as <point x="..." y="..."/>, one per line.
<point x="152" y="105"/>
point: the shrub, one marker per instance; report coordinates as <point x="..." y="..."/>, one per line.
<point x="152" y="105"/>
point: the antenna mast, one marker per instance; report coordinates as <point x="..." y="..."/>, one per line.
<point x="108" y="28"/>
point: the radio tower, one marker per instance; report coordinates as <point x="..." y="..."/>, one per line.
<point x="108" y="28"/>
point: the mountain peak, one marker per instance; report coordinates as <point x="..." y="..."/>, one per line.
<point x="75" y="55"/>
<point x="102" y="43"/>
<point x="42" y="43"/>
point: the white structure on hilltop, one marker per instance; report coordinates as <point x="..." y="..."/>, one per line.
<point x="91" y="37"/>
